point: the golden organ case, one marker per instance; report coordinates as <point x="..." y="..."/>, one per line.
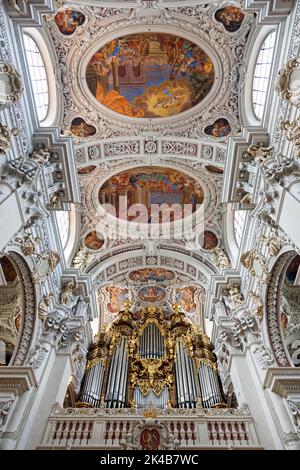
<point x="148" y="359"/>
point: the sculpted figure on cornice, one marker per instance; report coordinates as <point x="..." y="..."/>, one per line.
<point x="235" y="296"/>
<point x="221" y="259"/>
<point x="259" y="152"/>
<point x="6" y="135"/>
<point x="82" y="259"/>
<point x="5" y="408"/>
<point x="46" y="262"/>
<point x="28" y="244"/>
<point x="292" y="129"/>
<point x="54" y="331"/>
<point x="256" y="265"/>
<point x="44" y="306"/>
<point x="294" y="409"/>
<point x="239" y="333"/>
<point x="273" y="241"/>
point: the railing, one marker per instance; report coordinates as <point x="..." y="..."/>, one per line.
<point x="190" y="429"/>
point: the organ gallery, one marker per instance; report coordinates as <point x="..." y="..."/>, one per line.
<point x="149" y="228"/>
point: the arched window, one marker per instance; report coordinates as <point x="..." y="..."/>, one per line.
<point x="262" y="74"/>
<point x="238" y="225"/>
<point x="38" y="76"/>
<point x="63" y="221"/>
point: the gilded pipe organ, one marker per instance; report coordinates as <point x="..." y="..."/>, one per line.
<point x="150" y="359"/>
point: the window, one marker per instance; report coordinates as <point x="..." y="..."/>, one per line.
<point x="262" y="74"/>
<point x="63" y="221"/>
<point x="238" y="225"/>
<point x="38" y="76"/>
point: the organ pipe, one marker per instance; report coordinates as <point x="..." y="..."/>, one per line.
<point x="185" y="379"/>
<point x="209" y="384"/>
<point x="151" y="343"/>
<point x="151" y="399"/>
<point x="117" y="379"/>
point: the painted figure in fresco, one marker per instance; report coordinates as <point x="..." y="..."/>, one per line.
<point x="86" y="169"/>
<point x="220" y="128"/>
<point x="185" y="297"/>
<point x="150" y="439"/>
<point x="152" y="274"/>
<point x="209" y="240"/>
<point x="117" y="297"/>
<point x="150" y="75"/>
<point x="81" y="129"/>
<point x="68" y="20"/>
<point x="231" y="17"/>
<point x="92" y="241"/>
<point x="149" y="186"/>
<point x="152" y="294"/>
<point x="214" y="169"/>
<point x="292" y="270"/>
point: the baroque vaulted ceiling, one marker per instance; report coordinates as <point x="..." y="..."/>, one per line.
<point x="150" y="97"/>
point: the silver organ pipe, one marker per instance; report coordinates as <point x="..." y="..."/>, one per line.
<point x="209" y="384"/>
<point x="185" y="379"/>
<point x="151" y="343"/>
<point x="117" y="379"/>
<point x="92" y="385"/>
<point x="151" y="399"/>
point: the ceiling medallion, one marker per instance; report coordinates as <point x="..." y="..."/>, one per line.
<point x="150" y="75"/>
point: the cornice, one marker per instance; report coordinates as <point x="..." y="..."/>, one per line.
<point x="17" y="380"/>
<point x="284" y="381"/>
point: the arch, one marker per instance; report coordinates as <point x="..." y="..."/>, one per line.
<point x="273" y="309"/>
<point x="21" y="294"/>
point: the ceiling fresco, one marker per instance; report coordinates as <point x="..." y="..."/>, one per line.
<point x="231" y="17"/>
<point x="151" y="185"/>
<point x="159" y="96"/>
<point x="152" y="275"/>
<point x="152" y="294"/>
<point x="68" y="20"/>
<point x="150" y="75"/>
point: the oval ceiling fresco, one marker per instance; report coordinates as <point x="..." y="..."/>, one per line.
<point x="152" y="294"/>
<point x="150" y="75"/>
<point x="151" y="195"/>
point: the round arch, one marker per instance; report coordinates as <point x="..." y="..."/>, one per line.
<point x="18" y="305"/>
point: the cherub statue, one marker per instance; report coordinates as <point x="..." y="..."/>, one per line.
<point x="68" y="296"/>
<point x="82" y="259"/>
<point x="44" y="305"/>
<point x="28" y="244"/>
<point x="40" y="156"/>
<point x="235" y="295"/>
<point x="259" y="152"/>
<point x="5" y="137"/>
<point x="273" y="242"/>
<point x="221" y="258"/>
<point x="4" y="410"/>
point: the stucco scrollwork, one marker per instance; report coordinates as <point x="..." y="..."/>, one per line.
<point x="292" y="129"/>
<point x="29" y="308"/>
<point x="287" y="83"/>
<point x="10" y="85"/>
<point x="272" y="311"/>
<point x="256" y="265"/>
